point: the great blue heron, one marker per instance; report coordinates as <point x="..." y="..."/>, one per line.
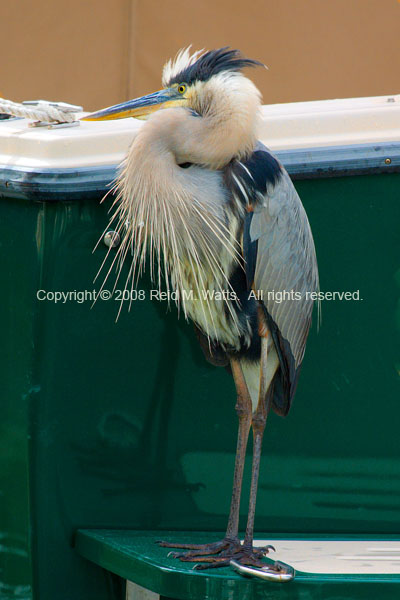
<point x="227" y="231"/>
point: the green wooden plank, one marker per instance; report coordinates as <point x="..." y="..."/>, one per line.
<point x="135" y="556"/>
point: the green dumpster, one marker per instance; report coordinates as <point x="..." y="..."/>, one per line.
<point x="116" y="432"/>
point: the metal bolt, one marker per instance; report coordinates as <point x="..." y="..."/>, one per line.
<point x="112" y="239"/>
<point x="388" y="161"/>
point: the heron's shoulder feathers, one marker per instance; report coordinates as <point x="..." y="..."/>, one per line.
<point x="247" y="180"/>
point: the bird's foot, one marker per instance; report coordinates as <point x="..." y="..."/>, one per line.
<point x="219" y="554"/>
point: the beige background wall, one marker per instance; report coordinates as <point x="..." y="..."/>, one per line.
<point x="99" y="52"/>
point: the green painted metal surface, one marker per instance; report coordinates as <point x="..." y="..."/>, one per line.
<point x="125" y="426"/>
<point x="134" y="556"/>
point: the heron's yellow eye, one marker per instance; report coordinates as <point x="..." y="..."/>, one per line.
<point x="182" y="89"/>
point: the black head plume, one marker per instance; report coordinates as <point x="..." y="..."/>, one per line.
<point x="213" y="62"/>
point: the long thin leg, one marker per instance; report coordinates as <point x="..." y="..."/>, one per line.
<point x="258" y="425"/>
<point x="244" y="411"/>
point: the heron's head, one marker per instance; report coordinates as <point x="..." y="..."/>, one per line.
<point x="203" y="82"/>
<point x="210" y="118"/>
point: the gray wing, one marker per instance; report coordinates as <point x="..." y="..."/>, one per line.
<point x="280" y="255"/>
<point x="286" y="261"/>
<point x="285" y="271"/>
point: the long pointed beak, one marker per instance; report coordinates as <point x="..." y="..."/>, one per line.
<point x="140" y="108"/>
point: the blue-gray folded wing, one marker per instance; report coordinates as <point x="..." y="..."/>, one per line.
<point x="281" y="250"/>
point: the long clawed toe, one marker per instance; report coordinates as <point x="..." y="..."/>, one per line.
<point x="196" y="552"/>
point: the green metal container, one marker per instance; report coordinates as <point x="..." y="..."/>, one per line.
<point x="122" y="427"/>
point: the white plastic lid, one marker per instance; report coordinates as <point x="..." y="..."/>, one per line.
<point x="284" y="126"/>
